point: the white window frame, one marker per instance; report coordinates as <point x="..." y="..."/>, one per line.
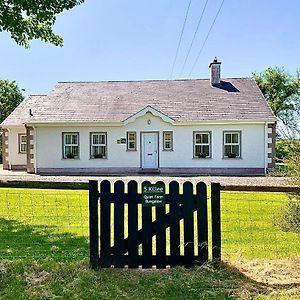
<point x="232" y="144"/>
<point x="98" y="145"/>
<point x="208" y="133"/>
<point x="21" y="143"/>
<point x="170" y="141"/>
<point x="131" y="140"/>
<point x="64" y="134"/>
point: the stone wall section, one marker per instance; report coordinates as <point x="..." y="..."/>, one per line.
<point x="5" y="153"/>
<point x="30" y="149"/>
<point x="271" y="146"/>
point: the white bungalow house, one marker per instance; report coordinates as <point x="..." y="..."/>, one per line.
<point x="120" y="127"/>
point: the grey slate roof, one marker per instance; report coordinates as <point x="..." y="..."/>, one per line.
<point x="115" y="101"/>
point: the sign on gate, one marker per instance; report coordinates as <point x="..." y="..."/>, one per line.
<point x="153" y="194"/>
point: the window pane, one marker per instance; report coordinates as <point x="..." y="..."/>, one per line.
<point x="227" y="150"/>
<point x="23" y="148"/>
<point x="227" y="138"/>
<point x="197" y="150"/>
<point x="67" y="139"/>
<point x="198" y="138"/>
<point x="167" y="145"/>
<point x="68" y="150"/>
<point x="74" y="139"/>
<point x="23" y="139"/>
<point x="235" y="138"/>
<point x="98" y="151"/>
<point x="205" y="138"/>
<point x="75" y="150"/>
<point x="95" y="139"/>
<point x="131" y="145"/>
<point x="131" y="136"/>
<point x="205" y="150"/>
<point x="102" y="139"/>
<point x="167" y="136"/>
<point x="236" y="150"/>
<point x="71" y="139"/>
<point x="98" y="139"/>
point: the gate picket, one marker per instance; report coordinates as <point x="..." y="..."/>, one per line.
<point x="202" y="224"/>
<point x="119" y="224"/>
<point x="161" y="236"/>
<point x="147" y="237"/>
<point x="133" y="225"/>
<point x="174" y="223"/>
<point x="105" y="200"/>
<point x="188" y="212"/>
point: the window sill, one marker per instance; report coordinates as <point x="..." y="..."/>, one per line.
<point x="168" y="150"/>
<point x="92" y="158"/>
<point x="202" y="158"/>
<point x="22" y="153"/>
<point x="131" y="150"/>
<point x="64" y="158"/>
<point x="232" y="158"/>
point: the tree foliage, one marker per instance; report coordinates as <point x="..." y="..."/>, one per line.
<point x="33" y="19"/>
<point x="10" y="97"/>
<point x="282" y="92"/>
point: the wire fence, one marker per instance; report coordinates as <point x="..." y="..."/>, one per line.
<point x="43" y="224"/>
<point x="53" y="224"/>
<point x="255" y="225"/>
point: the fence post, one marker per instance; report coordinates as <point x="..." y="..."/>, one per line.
<point x="94" y="223"/>
<point x="216" y="221"/>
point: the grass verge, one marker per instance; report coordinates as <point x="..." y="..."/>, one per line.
<point x="49" y="280"/>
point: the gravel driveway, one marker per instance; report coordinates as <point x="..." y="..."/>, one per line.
<point x="261" y="181"/>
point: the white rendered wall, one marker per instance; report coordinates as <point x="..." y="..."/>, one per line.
<point x="49" y="146"/>
<point x="16" y="158"/>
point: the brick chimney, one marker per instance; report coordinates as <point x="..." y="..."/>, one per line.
<point x="215" y="72"/>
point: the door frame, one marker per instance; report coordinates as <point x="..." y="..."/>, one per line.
<point x="142" y="149"/>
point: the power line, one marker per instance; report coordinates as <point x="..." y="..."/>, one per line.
<point x="194" y="37"/>
<point x="179" y="43"/>
<point x="206" y="38"/>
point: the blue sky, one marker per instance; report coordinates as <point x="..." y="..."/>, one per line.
<point x="137" y="39"/>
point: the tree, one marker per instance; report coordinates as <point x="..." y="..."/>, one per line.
<point x="33" y="19"/>
<point x="10" y="97"/>
<point x="282" y="92"/>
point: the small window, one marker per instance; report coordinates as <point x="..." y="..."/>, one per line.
<point x="131" y="141"/>
<point x="168" y="140"/>
<point x="202" y="144"/>
<point x="98" y="145"/>
<point x="22" y="143"/>
<point x="71" y="145"/>
<point x="232" y="144"/>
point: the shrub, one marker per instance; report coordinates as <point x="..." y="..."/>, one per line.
<point x="289" y="220"/>
<point x="290" y="217"/>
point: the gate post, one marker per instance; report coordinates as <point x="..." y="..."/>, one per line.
<point x="94" y="223"/>
<point x="216" y="221"/>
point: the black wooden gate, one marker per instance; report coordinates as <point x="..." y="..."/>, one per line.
<point x="122" y="230"/>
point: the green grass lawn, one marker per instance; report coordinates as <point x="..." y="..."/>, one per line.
<point x="48" y="231"/>
<point x="250" y="227"/>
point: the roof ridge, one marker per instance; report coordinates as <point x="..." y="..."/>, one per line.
<point x="149" y="80"/>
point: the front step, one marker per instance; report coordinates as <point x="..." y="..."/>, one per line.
<point x="149" y="171"/>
